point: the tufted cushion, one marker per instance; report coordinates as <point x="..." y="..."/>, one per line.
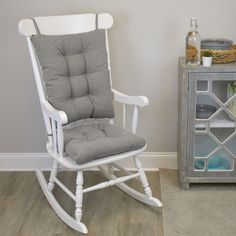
<point x="84" y="143"/>
<point x="76" y="75"/>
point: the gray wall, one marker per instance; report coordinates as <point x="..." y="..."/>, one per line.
<point x="146" y="40"/>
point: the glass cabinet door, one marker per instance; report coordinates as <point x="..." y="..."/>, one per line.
<point x="211" y="124"/>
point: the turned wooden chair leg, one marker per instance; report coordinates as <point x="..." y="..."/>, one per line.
<point x="53" y="174"/>
<point x="79" y="196"/>
<point x="143" y="177"/>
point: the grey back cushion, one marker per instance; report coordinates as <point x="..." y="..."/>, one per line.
<point x="76" y="75"/>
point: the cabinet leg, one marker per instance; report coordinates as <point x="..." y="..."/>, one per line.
<point x="185" y="185"/>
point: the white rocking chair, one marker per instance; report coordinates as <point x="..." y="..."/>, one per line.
<point x="56" y="120"/>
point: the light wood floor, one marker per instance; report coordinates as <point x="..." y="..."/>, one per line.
<point x="109" y="212"/>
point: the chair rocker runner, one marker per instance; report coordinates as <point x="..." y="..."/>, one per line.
<point x="70" y="59"/>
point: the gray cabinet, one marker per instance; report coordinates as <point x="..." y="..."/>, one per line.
<point x="207" y="124"/>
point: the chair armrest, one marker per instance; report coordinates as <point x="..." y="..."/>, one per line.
<point x="140" y="101"/>
<point x="59" y="116"/>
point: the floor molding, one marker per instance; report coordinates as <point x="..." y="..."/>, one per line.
<point x="30" y="161"/>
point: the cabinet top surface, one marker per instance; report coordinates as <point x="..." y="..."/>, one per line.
<point x="215" y="68"/>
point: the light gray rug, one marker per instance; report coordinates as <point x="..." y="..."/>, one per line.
<point x="204" y="210"/>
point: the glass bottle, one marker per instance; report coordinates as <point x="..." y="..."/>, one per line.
<point x="193" y="44"/>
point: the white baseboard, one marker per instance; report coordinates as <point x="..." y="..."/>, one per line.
<point x="31" y="161"/>
<point x="153" y="161"/>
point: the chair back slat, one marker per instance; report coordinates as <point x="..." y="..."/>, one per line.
<point x="68" y="24"/>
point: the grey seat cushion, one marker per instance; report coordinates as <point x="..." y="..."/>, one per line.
<point x="84" y="143"/>
<point x="76" y="75"/>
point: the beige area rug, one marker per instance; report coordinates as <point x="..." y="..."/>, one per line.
<point x="204" y="210"/>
